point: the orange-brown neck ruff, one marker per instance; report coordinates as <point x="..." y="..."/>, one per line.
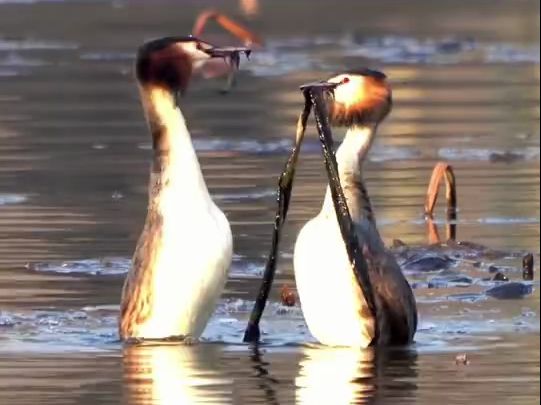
<point x="365" y="105"/>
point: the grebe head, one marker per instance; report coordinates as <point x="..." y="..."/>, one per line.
<point x="361" y="97"/>
<point x="170" y="62"/>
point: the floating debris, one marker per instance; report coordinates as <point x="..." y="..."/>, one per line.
<point x="527" y="267"/>
<point x="451" y="279"/>
<point x="499" y="276"/>
<point x="288" y="296"/>
<point x="397" y="243"/>
<point x="117" y="195"/>
<point x="426" y="263"/>
<point x="462" y="359"/>
<point x="509" y="291"/>
<point x="505" y="157"/>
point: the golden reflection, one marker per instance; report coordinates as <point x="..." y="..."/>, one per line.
<point x="249" y="8"/>
<point x="343" y="375"/>
<point x="335" y="375"/>
<point x="433" y="234"/>
<point x="169" y="374"/>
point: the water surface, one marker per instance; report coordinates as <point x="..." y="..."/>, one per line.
<point x="74" y="156"/>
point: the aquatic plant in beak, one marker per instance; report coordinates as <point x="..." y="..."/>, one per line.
<point x="316" y="95"/>
<point x="285" y="186"/>
<point x="249" y="39"/>
<point x="231" y="56"/>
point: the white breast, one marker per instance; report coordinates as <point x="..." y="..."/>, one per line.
<point x="191" y="266"/>
<point x="194" y="254"/>
<point x="329" y="295"/>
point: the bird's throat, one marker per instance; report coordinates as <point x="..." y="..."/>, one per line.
<point x="350" y="157"/>
<point x="175" y="170"/>
<point x="352" y="152"/>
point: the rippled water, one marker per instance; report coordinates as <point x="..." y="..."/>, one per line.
<point x="74" y="155"/>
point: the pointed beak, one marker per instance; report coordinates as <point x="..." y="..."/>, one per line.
<point x="231" y="55"/>
<point x="232" y="52"/>
<point x="323" y="85"/>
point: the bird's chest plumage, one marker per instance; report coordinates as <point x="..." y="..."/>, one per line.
<point x="190" y="262"/>
<point x="194" y="231"/>
<point x="331" y="300"/>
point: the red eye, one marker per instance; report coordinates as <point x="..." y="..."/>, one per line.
<point x="345" y="80"/>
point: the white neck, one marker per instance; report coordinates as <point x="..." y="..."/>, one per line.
<point x="350" y="157"/>
<point x="352" y="152"/>
<point x="175" y="161"/>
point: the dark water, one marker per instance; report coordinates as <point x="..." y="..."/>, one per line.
<point x="73" y="169"/>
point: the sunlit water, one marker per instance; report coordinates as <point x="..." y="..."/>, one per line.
<point x="74" y="157"/>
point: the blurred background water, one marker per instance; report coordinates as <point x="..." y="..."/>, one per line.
<point x="74" y="159"/>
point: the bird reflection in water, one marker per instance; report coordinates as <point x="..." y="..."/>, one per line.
<point x="171" y="373"/>
<point x="168" y="374"/>
<point x="346" y="375"/>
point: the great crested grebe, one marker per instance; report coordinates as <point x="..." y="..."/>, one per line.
<point x="352" y="290"/>
<point x="183" y="255"/>
<point x="322" y="266"/>
<point x="333" y="301"/>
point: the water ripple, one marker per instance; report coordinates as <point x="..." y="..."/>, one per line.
<point x="15" y="60"/>
<point x="394" y="49"/>
<point x="8" y="199"/>
<point x="34" y="44"/>
<point x="114" y="266"/>
<point x="283" y="147"/>
<point x="494" y="155"/>
<point x="109" y="266"/>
